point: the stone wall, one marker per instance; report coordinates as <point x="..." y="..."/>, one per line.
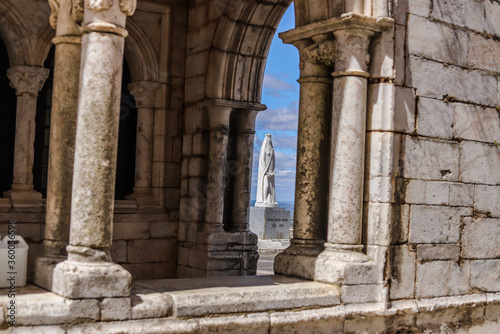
<point x="446" y="231"/>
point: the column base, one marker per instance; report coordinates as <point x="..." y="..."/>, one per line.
<point x="219" y="254"/>
<point x="24" y="198"/>
<point x="91" y="280"/>
<point x="330" y="266"/>
<point x="42" y="269"/>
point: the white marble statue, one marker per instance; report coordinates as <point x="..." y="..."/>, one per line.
<point x="266" y="195"/>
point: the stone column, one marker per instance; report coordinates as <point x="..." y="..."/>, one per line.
<point x="348" y="140"/>
<point x="27" y="81"/>
<point x="68" y="42"/>
<point x="88" y="271"/>
<point x="144" y="93"/>
<point x="312" y="158"/>
<point x="245" y="130"/>
<point x="218" y="116"/>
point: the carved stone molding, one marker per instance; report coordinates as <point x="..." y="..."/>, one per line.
<point x="352" y="50"/>
<point x="144" y="93"/>
<point x="74" y="9"/>
<point x="126" y="6"/>
<point x="321" y="51"/>
<point x="27" y="79"/>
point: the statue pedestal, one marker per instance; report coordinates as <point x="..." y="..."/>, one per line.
<point x="270" y="222"/>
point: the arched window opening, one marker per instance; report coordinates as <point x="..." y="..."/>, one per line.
<point x="281" y="95"/>
<point x="7" y="122"/>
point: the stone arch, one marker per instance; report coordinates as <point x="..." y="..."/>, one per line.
<point x="42" y="45"/>
<point x="14" y="35"/>
<point x="140" y="54"/>
<point x="239" y="50"/>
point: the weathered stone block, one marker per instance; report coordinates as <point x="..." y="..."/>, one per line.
<point x="487" y="200"/>
<point x="131" y="230"/>
<point x="461" y="194"/>
<point x="479" y="163"/>
<point x="382" y="61"/>
<point x="380" y="189"/>
<point x="325" y="320"/>
<point x="438" y="252"/>
<point x="492" y="13"/>
<point x="476" y="123"/>
<point x="417" y="7"/>
<point x="442" y="278"/>
<point x="152" y="250"/>
<point x="463" y="13"/>
<point x="485" y="275"/>
<point x="469" y="85"/>
<point x="118" y="251"/>
<point x="426" y="76"/>
<point x="427" y="192"/>
<point x="435" y="118"/>
<point x="115" y="309"/>
<point x="430" y="160"/>
<point x="96" y="280"/>
<point x="404" y="113"/>
<point x="380" y="106"/>
<point x="378" y="222"/>
<point x="363" y="293"/>
<point x="434" y="224"/>
<point x="483" y="53"/>
<point x="402" y="262"/>
<point x="436" y="41"/>
<point x="163" y="229"/>
<point x="257" y="323"/>
<point x="481" y="238"/>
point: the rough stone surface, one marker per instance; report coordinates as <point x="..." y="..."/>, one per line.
<point x="476" y="123"/>
<point x="115" y="309"/>
<point x="477" y="161"/>
<point x="485" y="275"/>
<point x="481" y="238"/>
<point x="438" y="252"/>
<point x="487" y="200"/>
<point x="430" y="160"/>
<point x="270" y="223"/>
<point x="442" y="278"/>
<point x="434" y="224"/>
<point x="427" y="192"/>
<point x="403" y="272"/>
<point x="435" y="118"/>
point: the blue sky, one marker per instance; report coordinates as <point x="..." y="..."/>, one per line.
<point x="281" y="95"/>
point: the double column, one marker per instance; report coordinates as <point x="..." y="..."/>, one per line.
<point x="88" y="271"/>
<point x="331" y="146"/>
<point x="65" y="19"/>
<point x="27" y="81"/>
<point x="144" y="93"/>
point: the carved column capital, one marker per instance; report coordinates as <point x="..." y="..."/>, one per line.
<point x="27" y="79"/>
<point x="144" y="93"/>
<point x="126" y="6"/>
<point x="67" y="15"/>
<point x="319" y="49"/>
<point x="353" y="54"/>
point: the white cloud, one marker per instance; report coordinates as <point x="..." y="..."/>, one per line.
<point x="273" y="83"/>
<point x="284" y="118"/>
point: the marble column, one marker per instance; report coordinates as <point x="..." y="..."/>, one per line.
<point x="218" y="116"/>
<point x="348" y="140"/>
<point x="144" y="93"/>
<point x="245" y="130"/>
<point x="88" y="272"/>
<point x="27" y="81"/>
<point x="67" y="43"/>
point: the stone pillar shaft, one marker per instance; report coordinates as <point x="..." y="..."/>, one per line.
<point x="217" y="159"/>
<point x="88" y="272"/>
<point x="144" y="93"/>
<point x="243" y="179"/>
<point x="348" y="140"/>
<point x="62" y="144"/>
<point x="27" y="81"/>
<point x="312" y="144"/>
